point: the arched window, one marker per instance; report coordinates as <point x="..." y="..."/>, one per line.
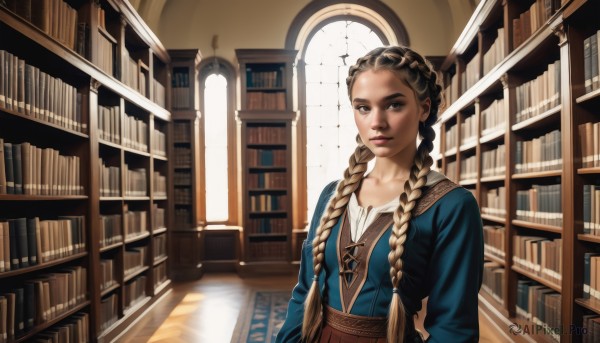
<point x="217" y="139"/>
<point x="330" y="35"/>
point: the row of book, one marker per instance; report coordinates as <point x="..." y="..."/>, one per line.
<point x="159" y="143"/>
<point x="182" y="157"/>
<point x="180" y="88"/>
<point x="135" y="292"/>
<point x="532" y="19"/>
<point x="540" y="204"/>
<point x="468" y="168"/>
<point x="591" y="210"/>
<point x="135" y="223"/>
<point x="182" y="196"/>
<point x="268" y="250"/>
<point x="28" y="90"/>
<point x="589" y="137"/>
<point x="181" y="132"/>
<point x="494" y="162"/>
<point x="109" y="314"/>
<point x="160" y="246"/>
<point x="468" y="130"/>
<point x="265" y="157"/>
<point x="493" y="280"/>
<point x="159" y="95"/>
<point x="135" y="133"/>
<point x="27" y="169"/>
<point x="132" y="74"/>
<point x="267" y="225"/>
<point x="160" y="274"/>
<point x="539" y="305"/>
<point x="266" y="135"/>
<point x="492" y="118"/>
<point x="135" y="182"/>
<point x="591" y="60"/>
<point x="180" y="98"/>
<point x="182" y="178"/>
<point x="267" y="180"/>
<point x="452" y="137"/>
<point x="495" y="53"/>
<point x="159" y="185"/>
<point x="538" y="95"/>
<point x="110" y="180"/>
<point x="133" y="260"/>
<point x="539" y="256"/>
<point x="539" y="154"/>
<point x="109" y="123"/>
<point x="159" y="217"/>
<point x="451" y="90"/>
<point x="110" y="230"/>
<point x="591" y="275"/>
<point x="265" y="101"/>
<point x="26" y="242"/>
<point x="107" y="59"/>
<point x="451" y="171"/>
<point x="493" y="238"/>
<point x="107" y="274"/>
<point x="183" y="218"/>
<point x="471" y="74"/>
<point x="267" y="202"/>
<point x="55" y="17"/>
<point x="494" y="202"/>
<point x="264" y="79"/>
<point x="75" y="330"/>
<point x="591" y="325"/>
<point x="40" y="300"/>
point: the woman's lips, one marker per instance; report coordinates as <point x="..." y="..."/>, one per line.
<point x="380" y="140"/>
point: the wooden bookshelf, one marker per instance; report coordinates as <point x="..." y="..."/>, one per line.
<point x="266" y="114"/>
<point x="67" y="78"/>
<point x="186" y="238"/>
<point x="549" y="58"/>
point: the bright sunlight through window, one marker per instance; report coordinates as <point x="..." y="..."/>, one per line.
<point x="215" y="142"/>
<point x="330" y="128"/>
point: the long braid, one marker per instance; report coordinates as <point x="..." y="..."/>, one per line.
<point x="420" y="76"/>
<point x="353" y="175"/>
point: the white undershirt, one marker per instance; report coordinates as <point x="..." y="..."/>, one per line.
<point x="361" y="217"/>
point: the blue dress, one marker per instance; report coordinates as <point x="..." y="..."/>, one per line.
<point x="443" y="260"/>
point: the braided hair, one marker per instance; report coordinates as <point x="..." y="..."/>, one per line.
<point x="420" y="76"/>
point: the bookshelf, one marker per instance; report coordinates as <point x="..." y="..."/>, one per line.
<point x="90" y="208"/>
<point x="188" y="204"/>
<point x="535" y="171"/>
<point x="266" y="115"/>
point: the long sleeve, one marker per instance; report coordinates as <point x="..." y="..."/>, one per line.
<point x="455" y="272"/>
<point x="291" y="330"/>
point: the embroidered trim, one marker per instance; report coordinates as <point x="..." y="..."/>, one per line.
<point x="432" y="195"/>
<point x="373" y="327"/>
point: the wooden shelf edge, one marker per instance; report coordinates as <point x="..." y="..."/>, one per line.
<point x="162" y="259"/>
<point x="111" y="247"/>
<point x="132" y="275"/>
<point x="137" y="238"/>
<point x="595" y="94"/>
<point x="32" y="119"/>
<point x="494" y="258"/>
<point x="24" y="197"/>
<point x="160" y="288"/>
<point x="589" y="170"/>
<point x="493" y="178"/>
<point x="492" y="218"/>
<point x="538" y="118"/>
<point x="537" y="278"/>
<point x="41" y="266"/>
<point x="109" y="290"/>
<point x="588" y="238"/>
<point x="589" y="303"/>
<point x="492" y="136"/>
<point x="533" y="175"/>
<point x="536" y="226"/>
<point x="159" y="231"/>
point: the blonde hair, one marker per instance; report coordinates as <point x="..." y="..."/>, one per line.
<point x="419" y="74"/>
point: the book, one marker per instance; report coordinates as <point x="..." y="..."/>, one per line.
<point x="32" y="240"/>
<point x="17" y="169"/>
<point x="22" y="248"/>
<point x="2" y="167"/>
<point x="8" y="160"/>
<point x="14" y="252"/>
<point x="587" y="63"/>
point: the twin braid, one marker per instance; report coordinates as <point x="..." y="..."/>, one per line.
<point x="420" y="76"/>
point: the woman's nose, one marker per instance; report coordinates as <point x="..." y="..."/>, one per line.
<point x="378" y="119"/>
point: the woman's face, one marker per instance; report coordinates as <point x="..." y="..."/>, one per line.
<point x="387" y="113"/>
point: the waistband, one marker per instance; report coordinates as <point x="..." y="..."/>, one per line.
<point x="372" y="327"/>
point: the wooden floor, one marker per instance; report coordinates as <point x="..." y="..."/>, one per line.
<point x="207" y="311"/>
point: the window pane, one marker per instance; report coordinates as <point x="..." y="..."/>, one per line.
<point x="331" y="130"/>
<point x="215" y="142"/>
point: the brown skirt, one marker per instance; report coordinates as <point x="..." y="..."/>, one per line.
<point x="339" y="327"/>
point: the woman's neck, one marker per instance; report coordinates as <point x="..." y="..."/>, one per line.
<point x="393" y="168"/>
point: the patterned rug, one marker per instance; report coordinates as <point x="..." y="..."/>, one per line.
<point x="261" y="317"/>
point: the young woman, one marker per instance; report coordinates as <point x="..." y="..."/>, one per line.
<point x="388" y="239"/>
